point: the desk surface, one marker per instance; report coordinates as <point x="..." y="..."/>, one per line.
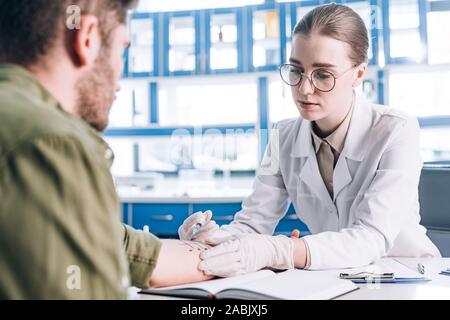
<point x="437" y="288"/>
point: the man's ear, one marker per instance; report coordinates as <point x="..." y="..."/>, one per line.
<point x="360" y="74"/>
<point x="87" y="41"/>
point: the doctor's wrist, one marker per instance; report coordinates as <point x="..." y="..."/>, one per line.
<point x="300" y="254"/>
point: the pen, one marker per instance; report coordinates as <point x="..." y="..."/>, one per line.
<point x="367" y="276"/>
<point x="445" y="272"/>
<point x="421" y="268"/>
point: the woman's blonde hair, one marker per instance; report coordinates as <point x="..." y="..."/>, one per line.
<point x="338" y="22"/>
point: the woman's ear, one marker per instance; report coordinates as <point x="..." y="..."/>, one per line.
<point x="360" y="74"/>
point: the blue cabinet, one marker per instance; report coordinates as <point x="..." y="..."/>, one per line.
<point x="164" y="219"/>
<point x="265" y="27"/>
<point x="181" y="44"/>
<point x="224" y="40"/>
<point x="223" y="213"/>
<point x="142" y="56"/>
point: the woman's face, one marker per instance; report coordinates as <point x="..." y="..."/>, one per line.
<point x="313" y="52"/>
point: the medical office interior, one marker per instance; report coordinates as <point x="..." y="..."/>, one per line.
<point x="201" y="90"/>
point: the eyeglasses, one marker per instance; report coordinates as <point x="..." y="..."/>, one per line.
<point x="320" y="79"/>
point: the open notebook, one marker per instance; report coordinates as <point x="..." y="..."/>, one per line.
<point x="264" y="284"/>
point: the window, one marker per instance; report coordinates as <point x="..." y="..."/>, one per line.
<point x="140" y="57"/>
<point x="404" y="23"/>
<point x="234" y="150"/>
<point x="434" y="146"/>
<point x="123" y="156"/>
<point x="266" y="38"/>
<point x="131" y="107"/>
<point x="177" y="5"/>
<point x="421" y="94"/>
<point x="182" y="44"/>
<point x="213" y="101"/>
<point x="438" y="29"/>
<point x="224" y="36"/>
<point x="281" y="103"/>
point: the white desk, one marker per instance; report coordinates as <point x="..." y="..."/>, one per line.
<point x="437" y="288"/>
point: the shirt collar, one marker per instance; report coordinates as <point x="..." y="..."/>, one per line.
<point x="22" y="78"/>
<point x="336" y="139"/>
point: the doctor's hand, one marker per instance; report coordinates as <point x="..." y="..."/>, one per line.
<point x="248" y="253"/>
<point x="209" y="232"/>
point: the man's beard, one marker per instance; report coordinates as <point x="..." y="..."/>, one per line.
<point x="95" y="93"/>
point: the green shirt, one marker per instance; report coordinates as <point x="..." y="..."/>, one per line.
<point x="60" y="230"/>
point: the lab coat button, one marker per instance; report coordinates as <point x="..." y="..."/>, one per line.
<point x="108" y="154"/>
<point x="125" y="281"/>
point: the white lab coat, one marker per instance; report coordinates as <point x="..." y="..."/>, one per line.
<point x="375" y="208"/>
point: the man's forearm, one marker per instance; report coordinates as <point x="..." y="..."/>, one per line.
<point x="178" y="264"/>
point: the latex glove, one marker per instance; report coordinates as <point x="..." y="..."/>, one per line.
<point x="209" y="232"/>
<point x="248" y="253"/>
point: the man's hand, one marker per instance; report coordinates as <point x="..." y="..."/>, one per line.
<point x="248" y="253"/>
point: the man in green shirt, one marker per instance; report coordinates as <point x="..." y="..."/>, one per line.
<point x="60" y="232"/>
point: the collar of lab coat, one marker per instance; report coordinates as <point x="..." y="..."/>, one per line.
<point x="355" y="145"/>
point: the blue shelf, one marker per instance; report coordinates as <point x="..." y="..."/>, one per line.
<point x="443" y="5"/>
<point x="434" y="122"/>
<point x="168" y="131"/>
<point x="244" y="18"/>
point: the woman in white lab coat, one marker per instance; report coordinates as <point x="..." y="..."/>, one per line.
<point x="350" y="168"/>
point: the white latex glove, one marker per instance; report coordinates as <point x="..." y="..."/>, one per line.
<point x="248" y="253"/>
<point x="209" y="232"/>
